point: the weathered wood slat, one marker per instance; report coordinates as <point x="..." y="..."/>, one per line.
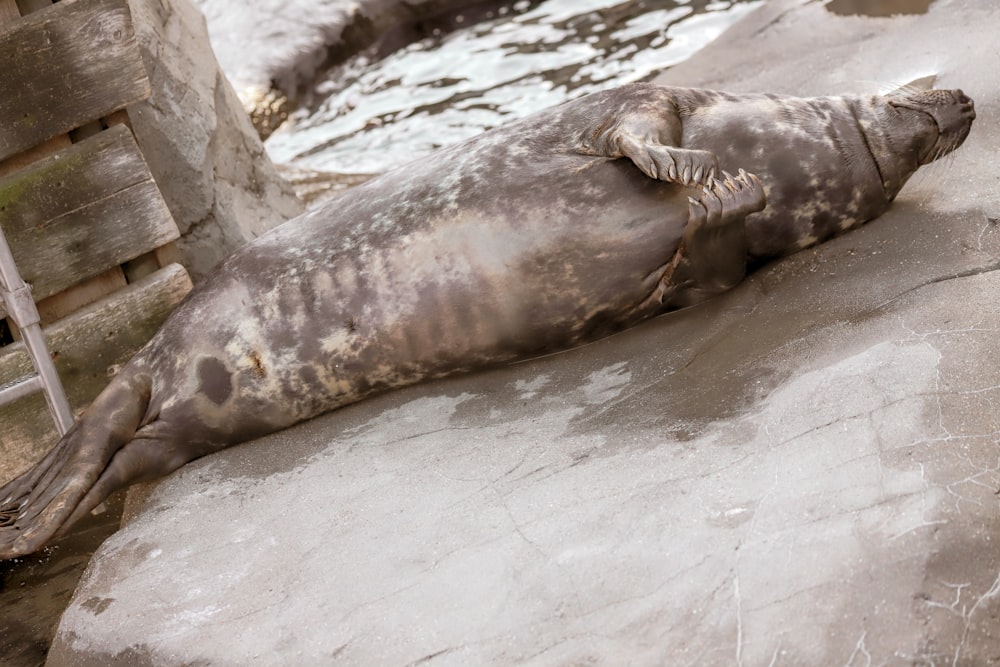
<point x="35" y="153"/>
<point x="86" y="346"/>
<point x="29" y="6"/>
<point x="86" y="209"/>
<point x="69" y="63"/>
<point x="8" y="11"/>
<point x="58" y="306"/>
<point x="11" y="11"/>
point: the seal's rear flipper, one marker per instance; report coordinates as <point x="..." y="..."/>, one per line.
<point x="46" y="498"/>
<point x="712" y="256"/>
<point x="140" y="460"/>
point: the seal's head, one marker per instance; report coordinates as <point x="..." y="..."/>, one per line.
<point x="913" y="128"/>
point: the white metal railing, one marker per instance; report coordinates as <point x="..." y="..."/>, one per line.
<point x="21" y="308"/>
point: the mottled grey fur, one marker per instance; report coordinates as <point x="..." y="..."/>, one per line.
<point x="525" y="240"/>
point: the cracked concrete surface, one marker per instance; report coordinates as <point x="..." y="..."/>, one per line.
<point x="804" y="471"/>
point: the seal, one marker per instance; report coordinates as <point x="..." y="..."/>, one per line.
<point x="538" y="236"/>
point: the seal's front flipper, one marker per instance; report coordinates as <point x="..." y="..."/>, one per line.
<point x="713" y="252"/>
<point x="650" y="136"/>
<point x="685" y="166"/>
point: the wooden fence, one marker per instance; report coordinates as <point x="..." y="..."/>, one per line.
<point x="86" y="223"/>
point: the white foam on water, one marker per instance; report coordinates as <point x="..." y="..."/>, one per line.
<point x="374" y="116"/>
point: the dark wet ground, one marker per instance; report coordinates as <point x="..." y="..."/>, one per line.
<point x="35" y="590"/>
<point x="880" y="8"/>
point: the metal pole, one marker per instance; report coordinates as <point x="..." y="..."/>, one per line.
<point x="21" y="308"/>
<point x="18" y="389"/>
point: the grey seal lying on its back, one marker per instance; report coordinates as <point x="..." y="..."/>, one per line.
<point x="525" y="240"/>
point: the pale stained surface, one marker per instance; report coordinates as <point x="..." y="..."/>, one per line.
<point x="803" y="471"/>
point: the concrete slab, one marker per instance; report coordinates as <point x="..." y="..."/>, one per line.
<point x="804" y="471"/>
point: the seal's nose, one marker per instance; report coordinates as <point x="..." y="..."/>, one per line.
<point x="968" y="106"/>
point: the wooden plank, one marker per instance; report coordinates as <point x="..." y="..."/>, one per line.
<point x="65" y="65"/>
<point x="29" y="6"/>
<point x="34" y="154"/>
<point x="87" y="347"/>
<point x="82" y="211"/>
<point x="8" y="11"/>
<point x="168" y="254"/>
<point x="140" y="267"/>
<point x="86" y="131"/>
<point x="60" y="305"/>
<point x="64" y="303"/>
<point x="118" y="118"/>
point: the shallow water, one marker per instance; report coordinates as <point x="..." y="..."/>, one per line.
<point x="368" y="115"/>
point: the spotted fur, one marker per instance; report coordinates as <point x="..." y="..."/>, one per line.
<point x="525" y="240"/>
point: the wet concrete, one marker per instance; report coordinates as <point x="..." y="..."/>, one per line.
<point x="34" y="590"/>
<point x="804" y="471"/>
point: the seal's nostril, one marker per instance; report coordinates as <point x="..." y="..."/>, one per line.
<point x="968" y="106"/>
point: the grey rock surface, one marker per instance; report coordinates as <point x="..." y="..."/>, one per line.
<point x="204" y="153"/>
<point x="804" y="471"/>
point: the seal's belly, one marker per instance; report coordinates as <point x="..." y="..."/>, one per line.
<point x="493" y="280"/>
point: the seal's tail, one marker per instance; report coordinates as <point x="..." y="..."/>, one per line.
<point x="58" y="490"/>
